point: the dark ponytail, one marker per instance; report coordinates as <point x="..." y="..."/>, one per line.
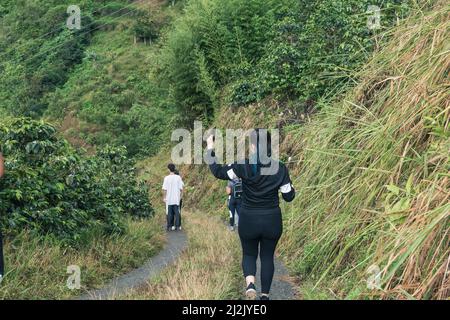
<point x="256" y="140"/>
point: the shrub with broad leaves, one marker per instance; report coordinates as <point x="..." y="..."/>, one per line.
<point x="50" y="189"/>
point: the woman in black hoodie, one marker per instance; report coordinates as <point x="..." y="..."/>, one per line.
<point x="260" y="221"/>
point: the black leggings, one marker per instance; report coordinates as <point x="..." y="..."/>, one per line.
<point x="260" y="229"/>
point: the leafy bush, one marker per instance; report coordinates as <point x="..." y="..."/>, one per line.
<point x="146" y="27"/>
<point x="293" y="49"/>
<point x="243" y="92"/>
<point x="50" y="189"/>
<point x="311" y="53"/>
<point x="206" y="48"/>
<point x="280" y="71"/>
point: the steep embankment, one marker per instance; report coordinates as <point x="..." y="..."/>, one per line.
<point x="371" y="172"/>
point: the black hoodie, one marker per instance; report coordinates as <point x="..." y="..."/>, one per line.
<point x="259" y="191"/>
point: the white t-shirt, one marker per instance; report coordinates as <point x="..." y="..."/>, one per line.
<point x="173" y="186"/>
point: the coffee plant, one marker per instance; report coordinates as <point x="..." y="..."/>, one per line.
<point x="50" y="189"/>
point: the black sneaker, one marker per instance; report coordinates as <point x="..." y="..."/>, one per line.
<point x="250" y="293"/>
<point x="264" y="297"/>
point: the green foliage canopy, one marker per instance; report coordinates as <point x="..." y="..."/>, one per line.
<point x="50" y="189"/>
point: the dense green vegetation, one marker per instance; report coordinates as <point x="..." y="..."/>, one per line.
<point x="50" y="189"/>
<point x="59" y="202"/>
<point x="110" y="98"/>
<point x="363" y="114"/>
<point x="134" y="71"/>
<point x="38" y="51"/>
<point x="95" y="78"/>
<point x="373" y="180"/>
<point x="296" y="50"/>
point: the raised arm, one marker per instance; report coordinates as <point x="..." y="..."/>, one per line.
<point x="219" y="171"/>
<point x="222" y="172"/>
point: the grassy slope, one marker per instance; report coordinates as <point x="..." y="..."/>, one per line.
<point x="390" y="130"/>
<point x="371" y="172"/>
<point x="36" y="268"/>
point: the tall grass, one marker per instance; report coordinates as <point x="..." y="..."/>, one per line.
<point x="373" y="176"/>
<point x="371" y="172"/>
<point x="208" y="269"/>
<point x="36" y="267"/>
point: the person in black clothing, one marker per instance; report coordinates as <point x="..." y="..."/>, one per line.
<point x="260" y="222"/>
<point x="2" y="268"/>
<point x="234" y="201"/>
<point x="177" y="172"/>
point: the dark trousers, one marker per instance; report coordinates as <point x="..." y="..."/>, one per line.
<point x="2" y="267"/>
<point x="234" y="206"/>
<point x="260" y="230"/>
<point x="173" y="216"/>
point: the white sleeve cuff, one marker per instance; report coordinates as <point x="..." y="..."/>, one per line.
<point x="231" y="174"/>
<point x="286" y="188"/>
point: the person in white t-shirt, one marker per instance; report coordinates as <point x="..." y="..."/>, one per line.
<point x="173" y="190"/>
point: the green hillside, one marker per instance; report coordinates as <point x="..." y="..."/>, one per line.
<point x="362" y="108"/>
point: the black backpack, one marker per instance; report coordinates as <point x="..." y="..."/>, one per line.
<point x="237" y="189"/>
